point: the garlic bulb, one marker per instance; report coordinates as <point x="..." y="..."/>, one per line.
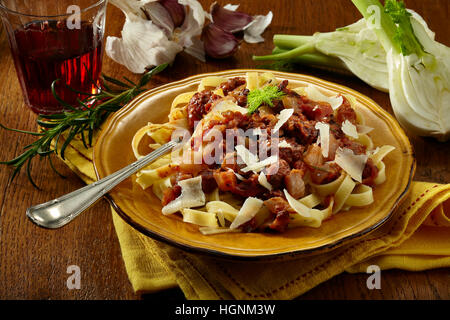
<point x="155" y="31"/>
<point x="146" y="43"/>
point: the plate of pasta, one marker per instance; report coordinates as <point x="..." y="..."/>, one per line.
<point x="271" y="164"/>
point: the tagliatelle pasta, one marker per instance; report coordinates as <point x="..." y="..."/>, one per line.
<point x="293" y="162"/>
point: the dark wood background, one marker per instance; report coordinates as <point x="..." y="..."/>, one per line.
<point x="33" y="261"/>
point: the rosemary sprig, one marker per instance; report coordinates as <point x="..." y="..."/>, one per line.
<point x="92" y="112"/>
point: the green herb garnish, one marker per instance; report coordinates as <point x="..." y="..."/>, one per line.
<point x="404" y="35"/>
<point x="265" y="95"/>
<point x="83" y="121"/>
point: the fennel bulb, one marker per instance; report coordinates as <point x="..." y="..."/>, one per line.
<point x="391" y="49"/>
<point x="418" y="68"/>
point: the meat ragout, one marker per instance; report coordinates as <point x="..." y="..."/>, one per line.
<point x="300" y="160"/>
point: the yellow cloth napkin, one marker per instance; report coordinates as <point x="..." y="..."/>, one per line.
<point x="417" y="237"/>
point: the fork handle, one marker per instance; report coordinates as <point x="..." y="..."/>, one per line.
<point x="59" y="212"/>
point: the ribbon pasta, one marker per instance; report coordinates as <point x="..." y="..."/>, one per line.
<point x="222" y="208"/>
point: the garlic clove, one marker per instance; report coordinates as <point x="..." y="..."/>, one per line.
<point x="252" y="33"/>
<point x="191" y="29"/>
<point x="143" y="45"/>
<point x="219" y="43"/>
<point x="232" y="7"/>
<point x="197" y="49"/>
<point x="160" y="17"/>
<point x="129" y="7"/>
<point x="175" y="10"/>
<point x="229" y="20"/>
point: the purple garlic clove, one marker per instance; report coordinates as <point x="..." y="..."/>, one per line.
<point x="228" y="20"/>
<point x="176" y="11"/>
<point x="219" y="43"/>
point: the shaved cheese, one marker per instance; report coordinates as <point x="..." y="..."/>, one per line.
<point x="284" y="144"/>
<point x="262" y="179"/>
<point x="236" y="174"/>
<point x="324" y="129"/>
<point x="362" y="129"/>
<point x="349" y="129"/>
<point x="191" y="196"/>
<point x="316" y="95"/>
<point x="242" y="178"/>
<point x="283" y="117"/>
<point x="252" y="160"/>
<point x="299" y="207"/>
<point x="259" y="166"/>
<point x="246" y="156"/>
<point x="249" y="209"/>
<point x="351" y="163"/>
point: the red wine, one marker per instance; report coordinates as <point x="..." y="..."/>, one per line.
<point x="47" y="50"/>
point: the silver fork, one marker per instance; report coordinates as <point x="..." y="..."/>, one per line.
<point x="59" y="212"/>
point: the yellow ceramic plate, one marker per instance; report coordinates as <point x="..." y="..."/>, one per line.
<point x="142" y="209"/>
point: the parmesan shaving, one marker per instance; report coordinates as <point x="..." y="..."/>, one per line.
<point x="259" y="166"/>
<point x="324" y="129"/>
<point x="350" y="129"/>
<point x="191" y="196"/>
<point x="283" y="117"/>
<point x="262" y="179"/>
<point x="237" y="174"/>
<point x="316" y="95"/>
<point x="246" y="156"/>
<point x="284" y="144"/>
<point x="249" y="209"/>
<point x="351" y="163"/>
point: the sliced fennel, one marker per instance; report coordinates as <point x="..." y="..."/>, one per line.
<point x="418" y="67"/>
<point x="356" y="46"/>
<point x="396" y="53"/>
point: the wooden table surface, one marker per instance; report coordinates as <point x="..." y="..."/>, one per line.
<point x="34" y="261"/>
